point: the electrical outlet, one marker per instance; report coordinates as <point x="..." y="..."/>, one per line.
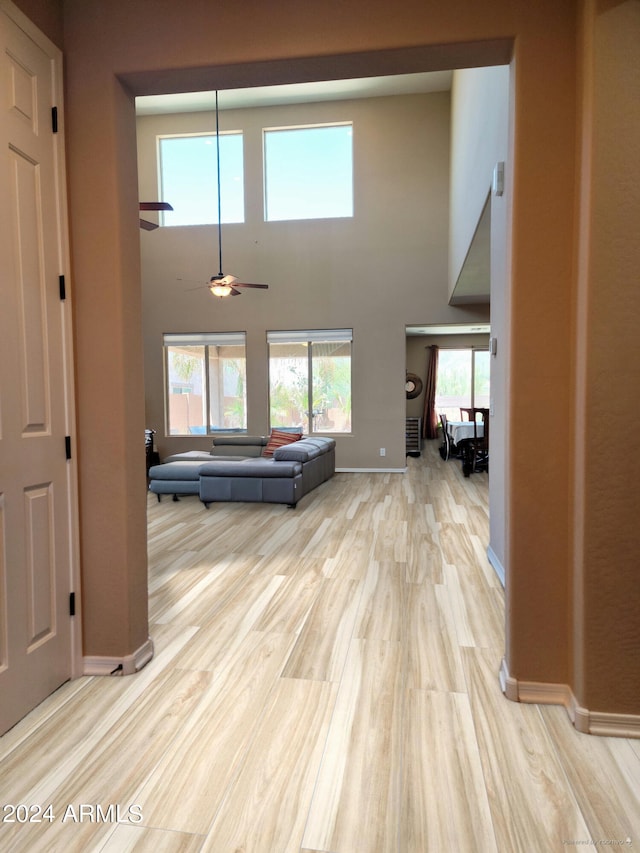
<point x="383" y="451"/>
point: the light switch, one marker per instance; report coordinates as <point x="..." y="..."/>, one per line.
<point x="498" y="178"/>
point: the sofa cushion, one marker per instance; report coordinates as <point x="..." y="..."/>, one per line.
<point x="265" y="468"/>
<point x="189" y="456"/>
<point x="238" y="445"/>
<point x="303" y="451"/>
<point x="238" y="440"/>
<point x="280" y="438"/>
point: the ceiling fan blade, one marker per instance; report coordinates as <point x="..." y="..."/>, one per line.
<point x="247" y="284"/>
<point x="148" y="226"/>
<point x="235" y="292"/>
<point x="201" y="285"/>
<point x="155" y="205"/>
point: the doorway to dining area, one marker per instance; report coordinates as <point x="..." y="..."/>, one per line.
<point x="462" y="387"/>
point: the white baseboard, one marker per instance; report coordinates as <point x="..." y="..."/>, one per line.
<point x="606" y="725"/>
<point x="497" y="565"/>
<point x="371" y="470"/>
<point x="585" y="721"/>
<point x="99" y="665"/>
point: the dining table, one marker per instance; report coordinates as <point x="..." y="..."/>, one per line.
<point x="463" y="430"/>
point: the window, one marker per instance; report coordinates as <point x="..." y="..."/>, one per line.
<point x="189" y="178"/>
<point x="310" y="380"/>
<point x="205" y="383"/>
<point x="463" y="380"/>
<point x="308" y="172"/>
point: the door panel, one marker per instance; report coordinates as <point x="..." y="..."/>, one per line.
<point x="35" y="477"/>
<point x="32" y="322"/>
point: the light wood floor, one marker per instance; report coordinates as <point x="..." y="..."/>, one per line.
<point x="325" y="679"/>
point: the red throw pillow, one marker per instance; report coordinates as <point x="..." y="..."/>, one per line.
<point x="278" y="438"/>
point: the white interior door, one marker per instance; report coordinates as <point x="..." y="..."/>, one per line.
<point x="36" y="506"/>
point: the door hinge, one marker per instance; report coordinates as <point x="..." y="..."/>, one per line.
<point x="72" y="604"/>
<point x="63" y="288"/>
<point x="54" y="119"/>
<point x="67" y="446"/>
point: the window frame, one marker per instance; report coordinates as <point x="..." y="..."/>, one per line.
<point x="204" y="340"/>
<point x="309" y="337"/>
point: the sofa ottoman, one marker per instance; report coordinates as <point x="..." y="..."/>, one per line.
<point x="175" y="478"/>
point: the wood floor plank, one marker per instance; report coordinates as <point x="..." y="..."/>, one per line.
<point x="325" y="680"/>
<point x="432" y="654"/>
<point x="112" y="772"/>
<point x="190" y="782"/>
<point x="424" y="558"/>
<point x="195" y="599"/>
<point x="480" y="618"/>
<point x="290" y="606"/>
<point x="225" y="627"/>
<point x="356" y="801"/>
<point x="382" y="609"/>
<point x="174" y="598"/>
<point x="434" y="722"/>
<point x="390" y="541"/>
<point x="169" y="564"/>
<point x="135" y="839"/>
<point x="355" y="554"/>
<point x="285" y="540"/>
<point x="532" y="803"/>
<point x="327" y="538"/>
<point x="626" y="755"/>
<point x="64" y="741"/>
<point x="321" y="649"/>
<point x="610" y="798"/>
<point x="461" y="608"/>
<point x="456" y="544"/>
<point x="266" y="807"/>
<point x="53" y="705"/>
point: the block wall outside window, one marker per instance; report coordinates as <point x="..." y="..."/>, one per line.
<point x="205" y="383"/>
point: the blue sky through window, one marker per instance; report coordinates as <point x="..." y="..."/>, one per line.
<point x="190" y="182"/>
<point x="308" y="172"/>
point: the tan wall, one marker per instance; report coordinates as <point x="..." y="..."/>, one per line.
<point x="46" y="15"/>
<point x="418" y="359"/>
<point x="374" y="273"/>
<point x="606" y="584"/>
<point x="174" y="49"/>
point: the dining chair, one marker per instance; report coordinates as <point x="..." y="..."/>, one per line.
<point x="480" y="440"/>
<point x="466" y="413"/>
<point x="445" y="447"/>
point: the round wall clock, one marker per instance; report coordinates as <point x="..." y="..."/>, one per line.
<point x="413" y="386"/>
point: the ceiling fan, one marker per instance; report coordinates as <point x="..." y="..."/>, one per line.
<point x="152" y="205"/>
<point x="224" y="285"/>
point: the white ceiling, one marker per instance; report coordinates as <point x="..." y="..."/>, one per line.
<point x="331" y="90"/>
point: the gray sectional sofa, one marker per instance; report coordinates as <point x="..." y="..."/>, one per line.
<point x="236" y="470"/>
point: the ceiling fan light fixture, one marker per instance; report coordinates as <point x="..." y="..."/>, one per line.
<point x="220" y="289"/>
<point x="222" y="285"/>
